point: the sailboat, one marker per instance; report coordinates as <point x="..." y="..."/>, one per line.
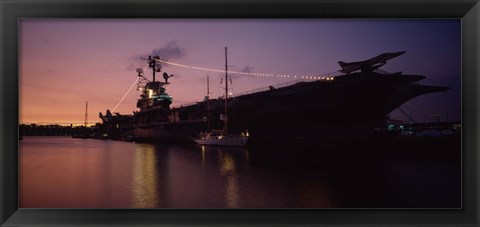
<point x="222" y="137"/>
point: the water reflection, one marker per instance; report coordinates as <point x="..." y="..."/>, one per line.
<point x="203" y="155"/>
<point x="227" y="159"/>
<point x="229" y="174"/>
<point x="144" y="177"/>
<point x="67" y="173"/>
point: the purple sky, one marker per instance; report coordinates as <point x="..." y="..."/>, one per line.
<point x="65" y="62"/>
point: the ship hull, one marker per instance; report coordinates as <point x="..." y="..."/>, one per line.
<point x="169" y="131"/>
<point x="351" y="106"/>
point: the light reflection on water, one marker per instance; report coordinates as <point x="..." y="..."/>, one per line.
<point x="61" y="172"/>
<point x="144" y="178"/>
<point x="228" y="172"/>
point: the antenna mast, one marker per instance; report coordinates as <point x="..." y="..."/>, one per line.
<point x="86" y="114"/>
<point x="152" y="63"/>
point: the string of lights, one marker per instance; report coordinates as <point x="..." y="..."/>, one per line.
<point x="125" y="95"/>
<point x="327" y="76"/>
<point x="128" y="91"/>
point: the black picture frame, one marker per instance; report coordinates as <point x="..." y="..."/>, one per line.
<point x="11" y="11"/>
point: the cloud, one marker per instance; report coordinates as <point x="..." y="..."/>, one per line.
<point x="170" y="51"/>
<point x="247" y="69"/>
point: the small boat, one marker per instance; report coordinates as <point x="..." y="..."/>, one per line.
<point x="222" y="137"/>
<point x="218" y="138"/>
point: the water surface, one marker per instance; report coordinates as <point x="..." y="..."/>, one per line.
<point x="62" y="172"/>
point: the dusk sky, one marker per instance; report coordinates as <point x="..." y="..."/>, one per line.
<point x="65" y="62"/>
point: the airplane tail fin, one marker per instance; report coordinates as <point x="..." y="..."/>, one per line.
<point x="341" y="63"/>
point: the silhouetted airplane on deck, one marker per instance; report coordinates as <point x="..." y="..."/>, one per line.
<point x="370" y="64"/>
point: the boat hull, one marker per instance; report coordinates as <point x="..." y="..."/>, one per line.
<point x="169" y="131"/>
<point x="350" y="106"/>
<point x="237" y="141"/>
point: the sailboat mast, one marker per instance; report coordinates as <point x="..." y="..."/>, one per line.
<point x="208" y="102"/>
<point x="225" y="129"/>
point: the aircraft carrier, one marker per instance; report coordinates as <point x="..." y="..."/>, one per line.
<point x="347" y="106"/>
